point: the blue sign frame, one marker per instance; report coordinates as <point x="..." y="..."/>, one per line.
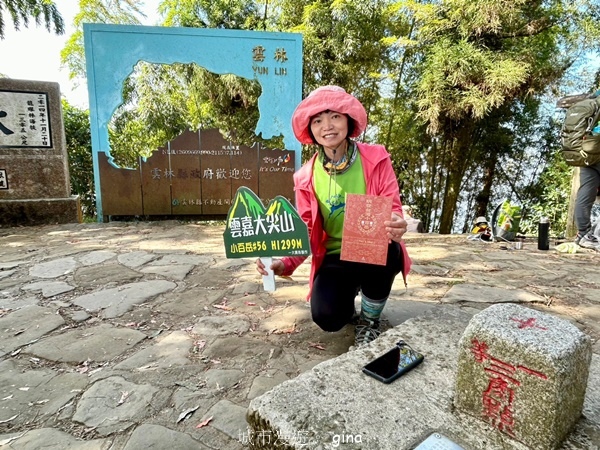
<point x="273" y="59"/>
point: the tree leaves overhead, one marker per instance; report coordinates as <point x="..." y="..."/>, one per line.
<point x="478" y="57"/>
<point x="455" y="89"/>
<point x="22" y="12"/>
<point x="231" y="14"/>
<point x="124" y="12"/>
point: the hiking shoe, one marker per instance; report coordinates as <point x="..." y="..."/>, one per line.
<point x="589" y="241"/>
<point x="366" y="331"/>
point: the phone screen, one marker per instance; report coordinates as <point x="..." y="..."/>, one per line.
<point x="394" y="363"/>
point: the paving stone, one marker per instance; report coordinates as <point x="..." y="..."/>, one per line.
<point x="96" y="257"/>
<point x="116" y="301"/>
<point x="174" y="272"/>
<point x="488" y="294"/>
<point x="294" y="315"/>
<point x="262" y="384"/>
<point x="192" y="398"/>
<point x="115" y="404"/>
<point x="60" y="304"/>
<point x="593" y="295"/>
<point x="245" y="288"/>
<point x="80" y="316"/>
<point x="6" y="273"/>
<point x="148" y="436"/>
<point x="190" y="303"/>
<point x="244" y="348"/>
<point x="49" y="288"/>
<point x="29" y="395"/>
<point x="170" y="350"/>
<point x="428" y="270"/>
<point x="228" y="418"/>
<point x="9" y="265"/>
<point x="186" y="260"/>
<point x="26" y="325"/>
<point x="53" y="269"/>
<point x="221" y="325"/>
<point x="134" y="260"/>
<point x="12" y="303"/>
<point x="222" y="378"/>
<point x="50" y="439"/>
<point x="101" y="343"/>
<point x="398" y="311"/>
<point x="112" y="273"/>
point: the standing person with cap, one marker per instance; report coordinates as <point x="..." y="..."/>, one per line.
<point x="330" y="117"/>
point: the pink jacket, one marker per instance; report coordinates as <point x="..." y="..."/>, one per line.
<point x="380" y="179"/>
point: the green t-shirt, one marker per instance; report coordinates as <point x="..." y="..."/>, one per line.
<point x="331" y="190"/>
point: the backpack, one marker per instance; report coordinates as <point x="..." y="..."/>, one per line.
<point x="579" y="146"/>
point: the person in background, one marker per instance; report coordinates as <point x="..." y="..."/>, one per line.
<point x="481" y="230"/>
<point x="330" y="118"/>
<point x="413" y="225"/>
<point x="589" y="185"/>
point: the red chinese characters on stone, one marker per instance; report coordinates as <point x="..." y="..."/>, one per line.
<point x="529" y="323"/>
<point x="498" y="398"/>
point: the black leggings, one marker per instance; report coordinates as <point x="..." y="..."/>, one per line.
<point x="338" y="282"/>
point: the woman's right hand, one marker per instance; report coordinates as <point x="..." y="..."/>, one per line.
<point x="277" y="267"/>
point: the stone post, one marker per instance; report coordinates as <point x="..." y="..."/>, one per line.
<point x="34" y="171"/>
<point x="524" y="372"/>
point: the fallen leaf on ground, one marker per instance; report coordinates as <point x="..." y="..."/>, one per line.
<point x="316" y="345"/>
<point x="204" y="422"/>
<point x="223" y="307"/>
<point x="289" y="330"/>
<point x="250" y="303"/>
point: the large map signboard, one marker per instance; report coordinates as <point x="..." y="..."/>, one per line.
<point x="201" y="183"/>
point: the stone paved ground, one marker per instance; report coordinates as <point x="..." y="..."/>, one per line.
<point x="138" y="335"/>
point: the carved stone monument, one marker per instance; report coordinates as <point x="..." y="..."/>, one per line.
<point x="524" y="372"/>
<point x="34" y="171"/>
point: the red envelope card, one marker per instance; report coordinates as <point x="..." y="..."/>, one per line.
<point x="364" y="238"/>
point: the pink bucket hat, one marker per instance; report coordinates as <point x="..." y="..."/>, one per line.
<point x="333" y="98"/>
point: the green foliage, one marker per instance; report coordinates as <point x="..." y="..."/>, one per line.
<point x="123" y="12"/>
<point x="478" y="60"/>
<point x="162" y="101"/>
<point x="553" y="190"/>
<point x="79" y="150"/>
<point x="22" y="11"/>
<point x="231" y="14"/>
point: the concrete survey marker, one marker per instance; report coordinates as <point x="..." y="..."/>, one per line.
<point x="524" y="372"/>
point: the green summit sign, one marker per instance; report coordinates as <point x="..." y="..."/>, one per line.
<point x="253" y="230"/>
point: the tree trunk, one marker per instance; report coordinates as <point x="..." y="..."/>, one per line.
<point x="483" y="198"/>
<point x="453" y="182"/>
<point x="460" y="156"/>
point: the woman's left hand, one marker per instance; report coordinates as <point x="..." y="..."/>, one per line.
<point x="395" y="228"/>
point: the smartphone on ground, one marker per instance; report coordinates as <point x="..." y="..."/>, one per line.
<point x="394" y="363"/>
